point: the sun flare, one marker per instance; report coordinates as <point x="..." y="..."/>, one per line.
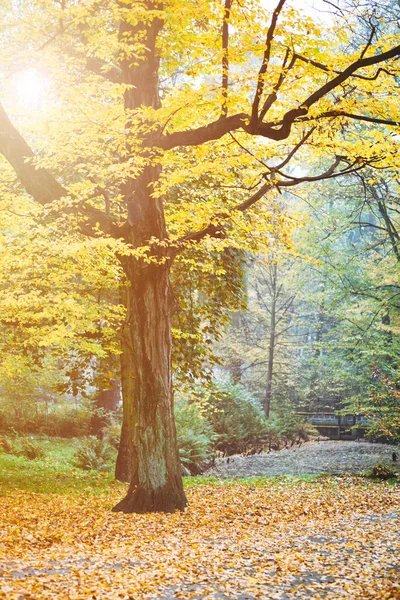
<point x="31" y="88"/>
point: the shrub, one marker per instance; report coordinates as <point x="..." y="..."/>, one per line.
<point x="94" y="454"/>
<point x="65" y="422"/>
<point x="31" y="449"/>
<point x="22" y="447"/>
<point x="8" y="445"/>
<point x="194" y="436"/>
<point x="383" y="406"/>
<point x="58" y="420"/>
<point x="383" y="472"/>
<point x="237" y="420"/>
<point x="293" y="429"/>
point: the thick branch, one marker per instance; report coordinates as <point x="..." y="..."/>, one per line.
<point x="221" y="127"/>
<point x="39" y="182"/>
<point x="100" y="67"/>
<point x="194" y="137"/>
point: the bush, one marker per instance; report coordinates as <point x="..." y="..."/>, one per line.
<point x="22" y="447"/>
<point x="237" y="420"/>
<point x="8" y="445"/>
<point x="383" y="472"/>
<point x="64" y="422"/>
<point x="31" y="449"/>
<point x="194" y="436"/>
<point x="383" y="407"/>
<point x="292" y="429"/>
<point x="94" y="454"/>
<point x="57" y="421"/>
<point x="238" y="423"/>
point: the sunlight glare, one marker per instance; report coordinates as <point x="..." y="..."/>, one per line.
<point x="31" y="88"/>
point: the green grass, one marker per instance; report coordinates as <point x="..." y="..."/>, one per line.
<point x="55" y="473"/>
<point x="259" y="481"/>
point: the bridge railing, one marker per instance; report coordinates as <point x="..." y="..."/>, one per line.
<point x="334" y="420"/>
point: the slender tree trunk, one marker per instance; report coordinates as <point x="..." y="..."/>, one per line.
<point x="156" y="479"/>
<point x="106" y="404"/>
<point x="123" y="464"/>
<point x="271" y="347"/>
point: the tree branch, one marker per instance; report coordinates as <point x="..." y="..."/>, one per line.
<point x="96" y="65"/>
<point x="274" y="94"/>
<point x="194" y="137"/>
<point x="340" y="113"/>
<point x="369" y="42"/>
<point x="351" y="69"/>
<point x="215" y="227"/>
<point x="295" y="149"/>
<point x="40" y="183"/>
<point x="274" y="131"/>
<point x="264" y="65"/>
<point x="326" y="69"/>
<point x="225" y="57"/>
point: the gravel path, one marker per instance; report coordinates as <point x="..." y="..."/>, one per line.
<point x="311" y="458"/>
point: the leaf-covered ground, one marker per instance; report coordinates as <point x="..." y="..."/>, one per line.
<point x="332" y="537"/>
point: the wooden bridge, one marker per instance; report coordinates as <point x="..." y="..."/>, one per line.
<point x="336" y="426"/>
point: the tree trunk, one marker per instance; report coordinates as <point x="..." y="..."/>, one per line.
<point x="148" y="440"/>
<point x="123" y="470"/>
<point x="106" y="404"/>
<point x="271" y="348"/>
<point x="156" y="479"/>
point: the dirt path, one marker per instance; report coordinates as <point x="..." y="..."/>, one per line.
<point x="311" y="458"/>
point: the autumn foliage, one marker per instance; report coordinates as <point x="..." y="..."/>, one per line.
<point x="331" y="538"/>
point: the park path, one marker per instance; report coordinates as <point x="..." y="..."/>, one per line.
<point x="311" y="458"/>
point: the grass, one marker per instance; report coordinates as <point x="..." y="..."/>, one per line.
<point x="57" y="474"/>
<point x="259" y="481"/>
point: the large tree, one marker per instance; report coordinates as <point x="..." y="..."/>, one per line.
<point x="172" y="120"/>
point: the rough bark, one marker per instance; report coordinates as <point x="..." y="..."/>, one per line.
<point x="149" y="454"/>
<point x="123" y="471"/>
<point x="156" y="480"/>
